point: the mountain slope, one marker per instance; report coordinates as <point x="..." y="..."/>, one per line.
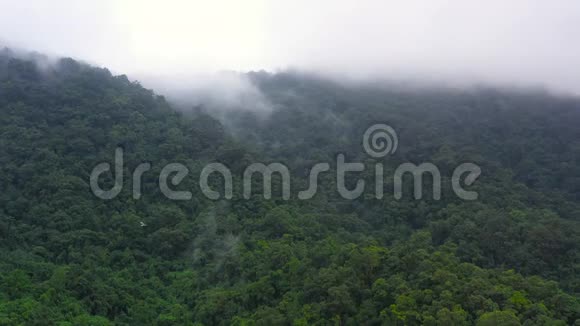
<point x="69" y="257"/>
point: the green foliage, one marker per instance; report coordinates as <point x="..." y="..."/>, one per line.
<point x="505" y="318"/>
<point x="69" y="258"/>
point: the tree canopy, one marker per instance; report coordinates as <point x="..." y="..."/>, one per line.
<point x="69" y="258"/>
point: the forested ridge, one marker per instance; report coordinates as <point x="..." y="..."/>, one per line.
<point x="511" y="257"/>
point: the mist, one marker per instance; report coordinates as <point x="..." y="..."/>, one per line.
<point x="217" y="91"/>
<point x="178" y="46"/>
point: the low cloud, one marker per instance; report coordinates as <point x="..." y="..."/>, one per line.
<point x="223" y="91"/>
<point x="517" y="42"/>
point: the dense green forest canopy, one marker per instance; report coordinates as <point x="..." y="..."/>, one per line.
<point x="69" y="258"/>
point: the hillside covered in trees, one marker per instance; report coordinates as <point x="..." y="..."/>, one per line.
<point x="511" y="257"/>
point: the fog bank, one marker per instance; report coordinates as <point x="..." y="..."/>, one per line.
<point x="517" y="42"/>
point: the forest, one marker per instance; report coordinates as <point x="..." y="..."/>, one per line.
<point x="67" y="257"/>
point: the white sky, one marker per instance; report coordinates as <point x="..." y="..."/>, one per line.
<point x="519" y="41"/>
